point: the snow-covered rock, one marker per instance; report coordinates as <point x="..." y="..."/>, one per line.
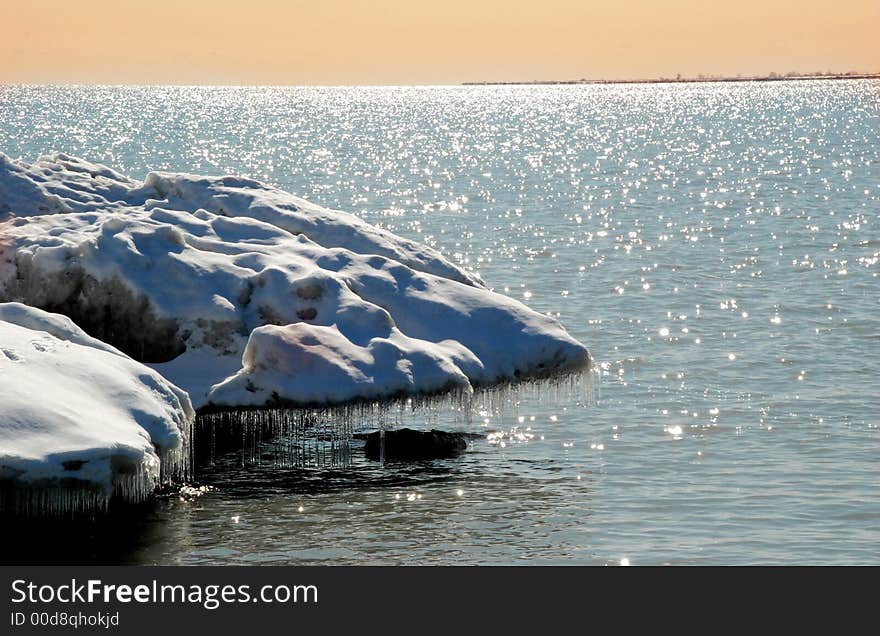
<point x="80" y="421"/>
<point x="247" y="296"/>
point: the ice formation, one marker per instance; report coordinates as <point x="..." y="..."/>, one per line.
<point x="249" y="297"/>
<point x="81" y="422"/>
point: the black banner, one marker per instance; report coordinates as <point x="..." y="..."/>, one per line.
<point x="236" y="600"/>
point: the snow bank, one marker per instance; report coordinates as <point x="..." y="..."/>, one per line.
<point x="81" y="422"/>
<point x="247" y="296"/>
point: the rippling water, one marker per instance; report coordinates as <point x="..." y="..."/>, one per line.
<point x="716" y="245"/>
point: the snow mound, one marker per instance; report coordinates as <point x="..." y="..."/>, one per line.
<point x="247" y="296"/>
<point x="81" y="422"/>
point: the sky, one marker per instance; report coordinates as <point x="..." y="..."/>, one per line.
<point x="331" y="42"/>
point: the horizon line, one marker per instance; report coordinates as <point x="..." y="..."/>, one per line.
<point x="791" y="76"/>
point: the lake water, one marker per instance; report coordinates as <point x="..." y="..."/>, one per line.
<point x="717" y="246"/>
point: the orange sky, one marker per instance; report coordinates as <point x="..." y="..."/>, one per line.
<point x="427" y="41"/>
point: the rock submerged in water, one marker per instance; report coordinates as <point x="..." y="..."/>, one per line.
<point x="406" y="444"/>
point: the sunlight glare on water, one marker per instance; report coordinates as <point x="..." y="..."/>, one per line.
<point x="715" y="245"/>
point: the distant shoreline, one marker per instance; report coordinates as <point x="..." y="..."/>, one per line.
<point x="688" y="80"/>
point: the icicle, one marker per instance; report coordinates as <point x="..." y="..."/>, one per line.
<point x="73" y="498"/>
<point x="129" y="483"/>
<point x="321" y="436"/>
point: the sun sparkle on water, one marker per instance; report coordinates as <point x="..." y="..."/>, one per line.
<point x="734" y="388"/>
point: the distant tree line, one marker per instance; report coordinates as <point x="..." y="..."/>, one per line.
<point x="703" y="77"/>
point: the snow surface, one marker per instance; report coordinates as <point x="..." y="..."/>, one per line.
<point x="79" y="420"/>
<point x="247" y="296"/>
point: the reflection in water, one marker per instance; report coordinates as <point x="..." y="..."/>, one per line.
<point x="313" y="513"/>
<point x="110" y="540"/>
<point x="316" y="516"/>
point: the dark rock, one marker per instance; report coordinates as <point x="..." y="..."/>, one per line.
<point x="406" y="444"/>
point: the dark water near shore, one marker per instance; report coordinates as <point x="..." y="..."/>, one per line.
<point x="717" y="246"/>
